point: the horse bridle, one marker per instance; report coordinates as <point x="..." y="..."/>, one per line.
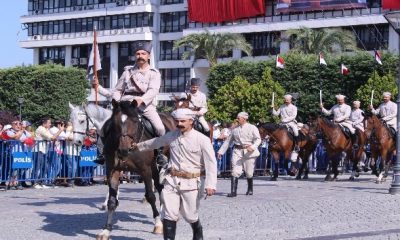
<point x="88" y="120"/>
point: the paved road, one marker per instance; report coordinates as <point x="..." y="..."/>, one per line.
<point x="286" y="209"/>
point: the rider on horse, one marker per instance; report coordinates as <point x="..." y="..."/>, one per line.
<point x="387" y="110"/>
<point x="140" y="85"/>
<point x="288" y="114"/>
<point x="357" y="116"/>
<point x="198" y="103"/>
<point x="341" y="115"/>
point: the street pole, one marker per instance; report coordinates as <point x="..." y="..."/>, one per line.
<point x="393" y="19"/>
<point x="20" y="101"/>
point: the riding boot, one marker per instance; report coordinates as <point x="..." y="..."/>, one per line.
<point x="354" y="139"/>
<point x="169" y="229"/>
<point x="296" y="143"/>
<point x="101" y="159"/>
<point x="234" y="184"/>
<point x="197" y="230"/>
<point x="249" y="186"/>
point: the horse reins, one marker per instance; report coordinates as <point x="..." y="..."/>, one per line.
<point x="88" y="119"/>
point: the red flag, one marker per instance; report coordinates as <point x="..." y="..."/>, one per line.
<point x="390" y="4"/>
<point x="378" y="57"/>
<point x="322" y="59"/>
<point x="280" y="62"/>
<point x="345" y="70"/>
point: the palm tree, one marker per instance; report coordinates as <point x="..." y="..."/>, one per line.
<point x="212" y="46"/>
<point x="327" y="40"/>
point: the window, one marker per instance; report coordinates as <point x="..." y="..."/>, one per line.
<point x="371" y="36"/>
<point x="167" y="2"/>
<point x="174" y="21"/>
<point x="174" y="80"/>
<point x="52" y="54"/>
<point x="167" y="52"/>
<point x="264" y="43"/>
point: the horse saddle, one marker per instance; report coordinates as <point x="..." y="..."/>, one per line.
<point x="302" y="135"/>
<point x="392" y="131"/>
<point x="346" y="131"/>
<point x="199" y="127"/>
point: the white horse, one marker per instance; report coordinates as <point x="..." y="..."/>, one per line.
<point x="82" y="118"/>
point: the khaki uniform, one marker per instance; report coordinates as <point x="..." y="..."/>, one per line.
<point x="191" y="152"/>
<point x="147" y="87"/>
<point x="241" y="136"/>
<point x="357" y="118"/>
<point x="388" y="112"/>
<point x="288" y="114"/>
<point x="341" y="115"/>
<point x="199" y="100"/>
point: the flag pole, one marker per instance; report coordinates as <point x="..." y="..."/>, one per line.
<point x="95" y="64"/>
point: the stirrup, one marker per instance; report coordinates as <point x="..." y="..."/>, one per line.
<point x="100" y="159"/>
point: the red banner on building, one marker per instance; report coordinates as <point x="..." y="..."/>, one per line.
<point x="391" y="4"/>
<point x="312" y="5"/>
<point x="212" y="11"/>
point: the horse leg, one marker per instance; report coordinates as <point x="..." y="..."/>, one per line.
<point x="335" y="164"/>
<point x="381" y="176"/>
<point x="151" y="199"/>
<point x="276" y="157"/>
<point x="303" y="163"/>
<point x="104" y="205"/>
<point x="113" y="184"/>
<point x="329" y="168"/>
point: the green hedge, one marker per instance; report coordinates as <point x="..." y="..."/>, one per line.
<point x="47" y="89"/>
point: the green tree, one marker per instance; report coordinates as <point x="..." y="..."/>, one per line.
<point x="212" y="46"/>
<point x="327" y="40"/>
<point x="379" y="84"/>
<point x="47" y="89"/>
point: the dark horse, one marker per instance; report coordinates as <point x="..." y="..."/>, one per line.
<point x="281" y="141"/>
<point x="126" y="126"/>
<point x="382" y="144"/>
<point x="336" y="142"/>
<point x="184" y="102"/>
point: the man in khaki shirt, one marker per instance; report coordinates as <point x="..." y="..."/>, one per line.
<point x="246" y="139"/>
<point x="191" y="156"/>
<point x="198" y="102"/>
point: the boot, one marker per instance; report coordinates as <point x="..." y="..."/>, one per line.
<point x="296" y="143"/>
<point x="249" y="186"/>
<point x="234" y="184"/>
<point x="354" y="139"/>
<point x="100" y="159"/>
<point x="169" y="229"/>
<point x="197" y="230"/>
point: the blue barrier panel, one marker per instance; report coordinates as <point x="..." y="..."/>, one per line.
<point x="22" y="160"/>
<point x="87" y="158"/>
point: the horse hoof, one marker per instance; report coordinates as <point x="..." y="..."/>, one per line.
<point x="158" y="230"/>
<point x="357" y="174"/>
<point x="103" y="235"/>
<point x="144" y="200"/>
<point x="298" y="177"/>
<point x="328" y="178"/>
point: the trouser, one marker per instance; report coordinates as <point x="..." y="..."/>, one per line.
<point x="184" y="202"/>
<point x="349" y="126"/>
<point x="239" y="162"/>
<point x="392" y="123"/>
<point x="152" y="115"/>
<point x="294" y="128"/>
<point x="39" y="166"/>
<point x="204" y="123"/>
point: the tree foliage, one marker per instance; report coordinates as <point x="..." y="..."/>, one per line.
<point x="46" y="90"/>
<point x="379" y="84"/>
<point x="327" y="40"/>
<point x="212" y="46"/>
<point x="240" y="95"/>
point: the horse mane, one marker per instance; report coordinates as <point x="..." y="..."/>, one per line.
<point x="327" y="122"/>
<point x="270" y="126"/>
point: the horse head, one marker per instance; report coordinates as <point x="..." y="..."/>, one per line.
<point x="181" y="101"/>
<point x="79" y="120"/>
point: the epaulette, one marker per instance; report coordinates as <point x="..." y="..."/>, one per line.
<point x="129" y="67"/>
<point x="154" y="70"/>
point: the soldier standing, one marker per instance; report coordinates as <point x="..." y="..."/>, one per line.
<point x="288" y="114"/>
<point x="198" y="102"/>
<point x="387" y="110"/>
<point x="341" y="115"/>
<point x="246" y="140"/>
<point x="191" y="156"/>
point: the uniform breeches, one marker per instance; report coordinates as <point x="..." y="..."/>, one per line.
<point x="204" y="123"/>
<point x="294" y="128"/>
<point x="239" y="162"/>
<point x="151" y="114"/>
<point x="392" y="123"/>
<point x="349" y="126"/>
<point x="177" y="202"/>
<point x="360" y="127"/>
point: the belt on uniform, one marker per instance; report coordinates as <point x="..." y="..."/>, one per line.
<point x="183" y="174"/>
<point x="240" y="146"/>
<point x="133" y="94"/>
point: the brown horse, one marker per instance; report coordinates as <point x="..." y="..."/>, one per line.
<point x="382" y="144"/>
<point x="125" y="126"/>
<point x="336" y="142"/>
<point x="280" y="141"/>
<point x="184" y="102"/>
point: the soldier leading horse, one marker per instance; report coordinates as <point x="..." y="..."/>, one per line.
<point x="128" y="125"/>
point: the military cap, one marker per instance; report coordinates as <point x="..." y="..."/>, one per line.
<point x="195" y="82"/>
<point x="143" y="45"/>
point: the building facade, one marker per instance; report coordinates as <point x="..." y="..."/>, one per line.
<point x="60" y="31"/>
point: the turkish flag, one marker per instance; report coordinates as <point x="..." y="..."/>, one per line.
<point x="345" y="70"/>
<point x="391" y="4"/>
<point x="280" y="62"/>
